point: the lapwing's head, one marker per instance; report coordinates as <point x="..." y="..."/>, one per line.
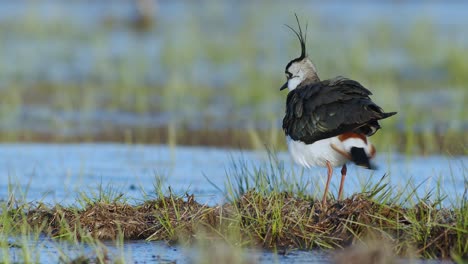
<point x="300" y="70"/>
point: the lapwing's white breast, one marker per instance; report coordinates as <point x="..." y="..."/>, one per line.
<point x="318" y="153"/>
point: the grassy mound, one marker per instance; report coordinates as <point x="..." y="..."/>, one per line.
<point x="273" y="221"/>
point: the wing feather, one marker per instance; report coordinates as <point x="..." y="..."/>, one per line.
<point x="330" y="108"/>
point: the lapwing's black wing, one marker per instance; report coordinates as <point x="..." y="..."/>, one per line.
<point x="329" y="108"/>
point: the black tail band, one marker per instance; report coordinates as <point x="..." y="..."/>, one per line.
<point x="360" y="157"/>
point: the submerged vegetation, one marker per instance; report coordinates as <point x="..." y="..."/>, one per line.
<point x="266" y="209"/>
<point x="218" y="79"/>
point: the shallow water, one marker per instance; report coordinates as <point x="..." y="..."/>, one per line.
<point x="154" y="252"/>
<point x="55" y="173"/>
<point x="49" y="251"/>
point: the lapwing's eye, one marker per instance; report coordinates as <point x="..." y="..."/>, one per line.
<point x="288" y="75"/>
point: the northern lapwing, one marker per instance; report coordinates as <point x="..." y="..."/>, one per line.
<point x="327" y="123"/>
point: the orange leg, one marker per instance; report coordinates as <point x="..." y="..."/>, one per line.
<point x="330" y="172"/>
<point x="343" y="176"/>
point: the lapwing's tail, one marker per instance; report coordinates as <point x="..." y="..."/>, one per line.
<point x="385" y="115"/>
<point x="359" y="156"/>
<point x="371" y="127"/>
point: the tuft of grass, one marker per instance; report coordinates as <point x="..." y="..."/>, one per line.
<point x="22" y="229"/>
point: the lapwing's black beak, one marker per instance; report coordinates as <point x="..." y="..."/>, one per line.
<point x="284" y="86"/>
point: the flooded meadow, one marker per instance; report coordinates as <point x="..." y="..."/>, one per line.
<point x="150" y="132"/>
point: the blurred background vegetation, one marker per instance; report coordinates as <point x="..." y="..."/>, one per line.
<point x="209" y="72"/>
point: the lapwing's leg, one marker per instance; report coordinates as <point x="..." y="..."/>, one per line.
<point x="329" y="175"/>
<point x="343" y="176"/>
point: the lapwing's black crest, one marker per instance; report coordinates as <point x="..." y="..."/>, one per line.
<point x="302" y="41"/>
<point x="328" y="108"/>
